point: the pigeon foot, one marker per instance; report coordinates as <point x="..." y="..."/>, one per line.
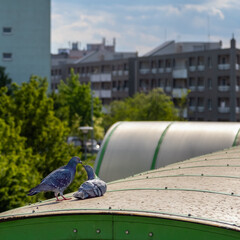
<point x="59" y="200"/>
<point x="65" y="198"/>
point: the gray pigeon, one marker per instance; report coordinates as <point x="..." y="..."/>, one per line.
<point x="93" y="187"/>
<point x="58" y="180"/>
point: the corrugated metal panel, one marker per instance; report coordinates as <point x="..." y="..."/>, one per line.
<point x="187" y="139"/>
<point x="130" y="149"/>
<point x="139" y="146"/>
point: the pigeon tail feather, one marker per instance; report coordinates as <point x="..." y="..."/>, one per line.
<point x="39" y="188"/>
<point x="34" y="191"/>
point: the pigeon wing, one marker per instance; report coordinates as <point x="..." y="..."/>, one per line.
<point x="58" y="179"/>
<point x="94" y="188"/>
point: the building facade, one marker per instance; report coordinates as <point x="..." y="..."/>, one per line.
<point x="206" y="72"/>
<point x="25" y="39"/>
<point x="211" y="73"/>
<point x="106" y="70"/>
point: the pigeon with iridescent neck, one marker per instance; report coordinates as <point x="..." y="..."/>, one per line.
<point x="93" y="187"/>
<point x="58" y="180"/>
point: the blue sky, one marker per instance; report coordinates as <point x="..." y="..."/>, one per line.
<point x="141" y="25"/>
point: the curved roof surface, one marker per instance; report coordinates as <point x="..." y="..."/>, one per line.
<point x="202" y="189"/>
<point x="133" y="147"/>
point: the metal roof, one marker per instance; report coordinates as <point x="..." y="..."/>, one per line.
<point x="203" y="189"/>
<point x="132" y="147"/>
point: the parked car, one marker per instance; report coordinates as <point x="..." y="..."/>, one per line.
<point x="75" y="141"/>
<point x="96" y="146"/>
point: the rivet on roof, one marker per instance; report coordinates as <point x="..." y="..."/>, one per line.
<point x="150" y="234"/>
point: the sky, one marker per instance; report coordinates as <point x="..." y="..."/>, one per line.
<point x="141" y="25"/>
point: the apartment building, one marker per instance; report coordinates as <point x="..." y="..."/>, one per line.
<point x="106" y="69"/>
<point x="25" y="39"/>
<point x="209" y="74"/>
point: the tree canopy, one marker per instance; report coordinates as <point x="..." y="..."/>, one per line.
<point x="73" y="105"/>
<point x="154" y="106"/>
<point x="33" y="142"/>
<point x="5" y="81"/>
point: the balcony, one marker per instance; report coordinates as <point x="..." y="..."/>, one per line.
<point x="161" y="70"/>
<point x="224" y="109"/>
<point x="102" y="93"/>
<point x="126" y="72"/>
<point x="192" y="88"/>
<point x="237" y="66"/>
<point x="237" y="88"/>
<point x="192" y="68"/>
<point x="179" y="73"/>
<point x="120" y="72"/>
<point x="224" y="88"/>
<point x="237" y="109"/>
<point x="179" y="92"/>
<point x="114" y="73"/>
<point x="225" y="66"/>
<point x="192" y="108"/>
<point x="101" y="77"/>
<point x="201" y="67"/>
<point x="168" y="89"/>
<point x="200" y="88"/>
<point x="144" y="70"/>
<point x="168" y="69"/>
<point x="200" y="108"/>
<point x="154" y="70"/>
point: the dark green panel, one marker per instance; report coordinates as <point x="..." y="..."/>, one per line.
<point x="59" y="227"/>
<point x="156" y="228"/>
<point x="110" y="227"/>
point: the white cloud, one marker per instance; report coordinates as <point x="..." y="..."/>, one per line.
<point x="138" y="27"/>
<point x="80" y="26"/>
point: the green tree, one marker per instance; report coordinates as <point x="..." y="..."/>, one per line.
<point x="37" y="144"/>
<point x="44" y="132"/>
<point x="5" y="81"/>
<point x="73" y="104"/>
<point x="154" y="106"/>
<point x="181" y="103"/>
<point x="18" y="173"/>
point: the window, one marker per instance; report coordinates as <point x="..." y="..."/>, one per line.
<point x="7" y="30"/>
<point x="209" y="104"/>
<point x="209" y="83"/>
<point x="209" y="62"/>
<point x="7" y="56"/>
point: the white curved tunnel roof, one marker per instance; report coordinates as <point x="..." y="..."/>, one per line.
<point x="133" y="147"/>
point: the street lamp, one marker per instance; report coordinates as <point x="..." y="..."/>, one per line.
<point x="85" y="131"/>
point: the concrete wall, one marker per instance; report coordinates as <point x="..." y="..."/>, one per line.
<point x="29" y="41"/>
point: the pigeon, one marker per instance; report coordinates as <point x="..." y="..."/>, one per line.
<point x="58" y="180"/>
<point x="93" y="187"/>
